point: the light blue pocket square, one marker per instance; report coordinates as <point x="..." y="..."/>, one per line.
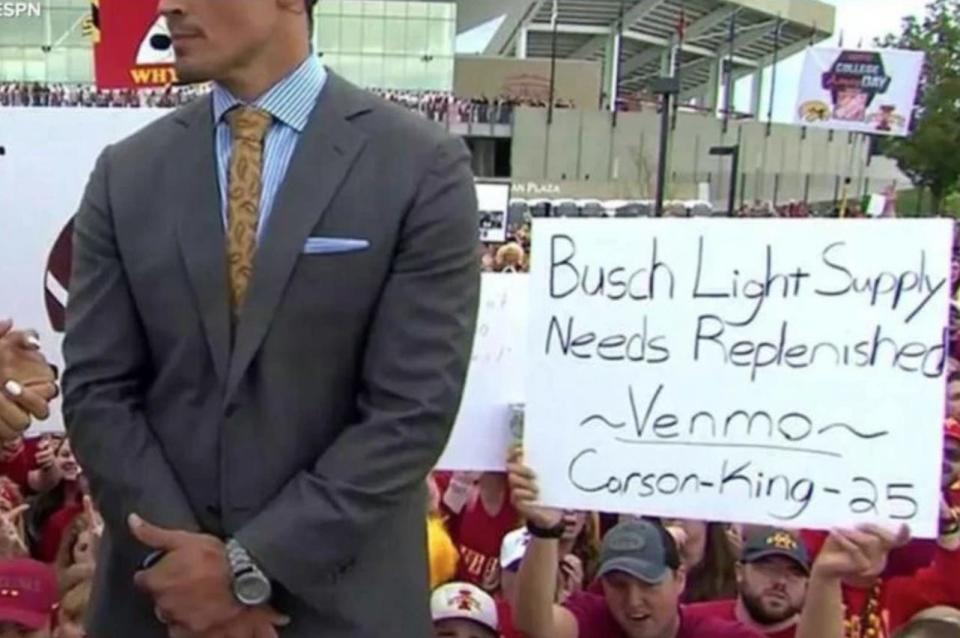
<point x="333" y="245"/>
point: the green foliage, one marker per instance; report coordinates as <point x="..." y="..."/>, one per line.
<point x="931" y="155"/>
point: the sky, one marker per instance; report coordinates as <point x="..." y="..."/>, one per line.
<point x="858" y="20"/>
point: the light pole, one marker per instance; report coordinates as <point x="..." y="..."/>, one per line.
<point x="734" y="153"/>
<point x="666" y="88"/>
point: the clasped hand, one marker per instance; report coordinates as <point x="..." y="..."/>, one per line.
<point x="192" y="590"/>
<point x="26" y="379"/>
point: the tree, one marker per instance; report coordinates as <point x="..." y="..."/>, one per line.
<point x="929" y="156"/>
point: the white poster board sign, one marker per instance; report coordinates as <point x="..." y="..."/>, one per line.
<point x="868" y="91"/>
<point x="47" y="158"/>
<point x="481" y="434"/>
<point x="493" y="200"/>
<point x="783" y="372"/>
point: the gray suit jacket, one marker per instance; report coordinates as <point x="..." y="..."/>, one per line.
<point x="308" y="439"/>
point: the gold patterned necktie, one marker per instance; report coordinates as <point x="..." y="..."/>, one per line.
<point x="248" y="126"/>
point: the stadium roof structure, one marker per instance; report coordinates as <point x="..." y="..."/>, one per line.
<point x="590" y="29"/>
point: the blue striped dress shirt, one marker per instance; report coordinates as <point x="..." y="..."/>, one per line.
<point x="290" y="102"/>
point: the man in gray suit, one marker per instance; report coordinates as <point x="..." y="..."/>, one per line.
<point x="271" y="313"/>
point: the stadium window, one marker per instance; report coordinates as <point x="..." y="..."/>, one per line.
<point x="351" y="34"/>
<point x="373" y="35"/>
<point x="352" y="7"/>
<point x="416" y="36"/>
<point x="418" y="9"/>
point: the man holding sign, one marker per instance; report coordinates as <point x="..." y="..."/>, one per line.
<point x="640" y="572"/>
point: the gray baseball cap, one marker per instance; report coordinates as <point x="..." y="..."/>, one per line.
<point x="640" y="549"/>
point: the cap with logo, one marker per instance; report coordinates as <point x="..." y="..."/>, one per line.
<point x="764" y="542"/>
<point x="28" y="593"/>
<point x="638" y="548"/>
<point x="463" y="601"/>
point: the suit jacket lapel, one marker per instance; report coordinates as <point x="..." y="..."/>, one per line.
<point x="325" y="152"/>
<point x="195" y="196"/>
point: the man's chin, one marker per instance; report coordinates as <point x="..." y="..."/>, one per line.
<point x="188" y="73"/>
<point x="776" y="614"/>
<point x="770" y="610"/>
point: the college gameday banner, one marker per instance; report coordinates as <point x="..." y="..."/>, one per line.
<point x="867" y="91"/>
<point x="134" y="48"/>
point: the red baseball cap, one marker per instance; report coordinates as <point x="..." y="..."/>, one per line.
<point x="28" y="593"/>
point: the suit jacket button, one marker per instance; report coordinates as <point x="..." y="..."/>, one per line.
<point x="231" y="410"/>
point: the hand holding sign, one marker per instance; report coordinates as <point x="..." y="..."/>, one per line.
<point x="858" y="554"/>
<point x="524" y="494"/>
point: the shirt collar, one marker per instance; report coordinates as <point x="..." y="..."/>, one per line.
<point x="291" y="100"/>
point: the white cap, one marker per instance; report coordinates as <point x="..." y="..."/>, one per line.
<point x="464" y="601"/>
<point x="514" y="547"/>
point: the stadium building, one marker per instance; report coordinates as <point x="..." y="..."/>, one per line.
<point x="607" y="52"/>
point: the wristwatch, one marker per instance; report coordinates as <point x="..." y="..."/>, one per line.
<point x="548" y="533"/>
<point x="251" y="587"/>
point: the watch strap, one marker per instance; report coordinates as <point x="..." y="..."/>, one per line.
<point x="548" y="533"/>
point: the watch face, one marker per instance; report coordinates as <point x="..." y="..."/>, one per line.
<point x="252" y="589"/>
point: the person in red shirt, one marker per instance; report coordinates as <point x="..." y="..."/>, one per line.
<point x="639" y="572"/>
<point x="772" y="579"/>
<point x="874" y="607"/>
<point x="26" y="462"/>
<point x="478" y="516"/>
<point x="52" y="512"/>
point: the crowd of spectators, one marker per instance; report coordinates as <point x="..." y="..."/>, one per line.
<point x="437" y="106"/>
<point x="50" y="534"/>
<point x="502" y="566"/>
<point x="446" y="107"/>
<point x="86" y="95"/>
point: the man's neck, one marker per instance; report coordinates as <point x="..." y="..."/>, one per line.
<point x="249" y="83"/>
<point x="744" y="617"/>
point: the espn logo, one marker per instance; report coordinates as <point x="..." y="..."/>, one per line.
<point x="19" y="9"/>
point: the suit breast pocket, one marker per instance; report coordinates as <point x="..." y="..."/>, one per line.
<point x="349" y="270"/>
<point x="334" y="246"/>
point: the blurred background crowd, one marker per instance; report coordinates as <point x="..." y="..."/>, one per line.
<point x="437" y="106"/>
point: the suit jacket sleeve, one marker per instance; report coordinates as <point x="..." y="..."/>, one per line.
<point x="107" y="369"/>
<point x="415" y="364"/>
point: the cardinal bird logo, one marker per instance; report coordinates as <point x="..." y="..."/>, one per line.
<point x="781" y="540"/>
<point x="465" y="601"/>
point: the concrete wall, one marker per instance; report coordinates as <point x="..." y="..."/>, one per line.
<point x="577" y="80"/>
<point x="584" y="155"/>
